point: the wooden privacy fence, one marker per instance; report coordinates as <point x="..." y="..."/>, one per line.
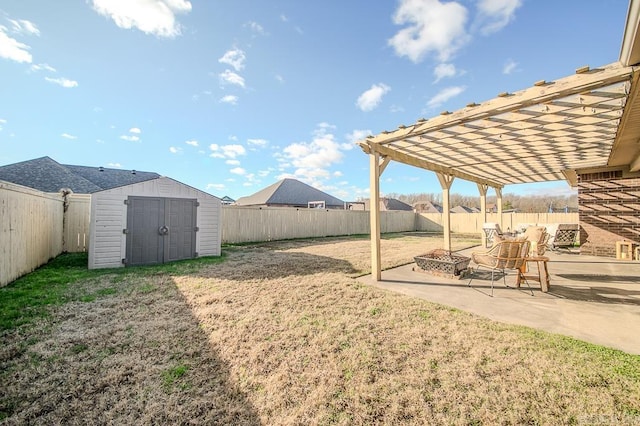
<point x="250" y="224"/>
<point x="30" y="229"/>
<point x="77" y="216"/>
<point x="471" y="223"/>
<point x="37" y="226"/>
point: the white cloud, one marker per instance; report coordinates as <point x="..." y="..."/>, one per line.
<point x="358" y="135"/>
<point x="496" y="14"/>
<point x="175" y="150"/>
<point x="135" y="130"/>
<point x="256" y="28"/>
<point x="227" y="151"/>
<point x="337" y="173"/>
<point x="235" y="58"/>
<point x="192" y="142"/>
<point x="42" y="67"/>
<point x="115" y="165"/>
<point x="230" y="77"/>
<point x="12" y="49"/>
<point x="229" y="99"/>
<point x="372" y="97"/>
<point x="444" y="95"/>
<point x="232" y="151"/>
<point x="22" y="26"/>
<point x="238" y="171"/>
<point x="2" y="122"/>
<point x="130" y="138"/>
<point x="444" y="70"/>
<point x="258" y="142"/>
<point x="233" y="162"/>
<point x="68" y="136"/>
<point x="312" y="160"/>
<point x="216" y="186"/>
<point x="157" y="17"/>
<point x="431" y="27"/>
<point x="63" y="82"/>
<point x="509" y="67"/>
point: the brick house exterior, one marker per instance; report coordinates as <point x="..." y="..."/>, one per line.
<point x="609" y="208"/>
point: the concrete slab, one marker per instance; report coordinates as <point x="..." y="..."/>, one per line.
<point x="590" y="298"/>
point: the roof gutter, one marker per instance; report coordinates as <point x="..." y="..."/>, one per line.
<point x="630" y="51"/>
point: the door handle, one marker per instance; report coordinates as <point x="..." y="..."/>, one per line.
<point x="163" y="230"/>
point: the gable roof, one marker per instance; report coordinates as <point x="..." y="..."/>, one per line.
<point x="47" y="175"/>
<point x="289" y="192"/>
<point x="427" y="207"/>
<point x="394" y="204"/>
<point x="388" y="204"/>
<point x="462" y="209"/>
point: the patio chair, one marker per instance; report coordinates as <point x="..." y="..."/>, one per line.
<point x="538" y="238"/>
<point x="490" y="230"/>
<point x="565" y="236"/>
<point x="502" y="256"/>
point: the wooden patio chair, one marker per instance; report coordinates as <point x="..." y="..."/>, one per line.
<point x="502" y="256"/>
<point x="538" y="238"/>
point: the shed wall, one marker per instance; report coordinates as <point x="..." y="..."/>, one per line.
<point x="109" y="218"/>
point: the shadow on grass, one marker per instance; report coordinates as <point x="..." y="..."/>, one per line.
<point x="133" y="354"/>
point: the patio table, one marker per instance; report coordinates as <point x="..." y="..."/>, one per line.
<point x="543" y="273"/>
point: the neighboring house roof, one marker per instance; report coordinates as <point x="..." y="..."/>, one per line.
<point x="387" y="204"/>
<point x="462" y="209"/>
<point x="227" y="200"/>
<point x="393" y="204"/>
<point x="47" y="175"/>
<point x="289" y="192"/>
<point x="427" y="207"/>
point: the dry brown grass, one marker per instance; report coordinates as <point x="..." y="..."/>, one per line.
<point x="281" y="333"/>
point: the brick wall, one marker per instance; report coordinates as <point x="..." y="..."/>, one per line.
<point x="609" y="211"/>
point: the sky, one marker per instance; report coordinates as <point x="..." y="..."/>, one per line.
<point x="232" y="96"/>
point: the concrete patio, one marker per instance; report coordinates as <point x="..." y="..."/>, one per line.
<point x="593" y="299"/>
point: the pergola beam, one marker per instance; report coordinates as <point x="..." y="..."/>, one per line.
<point x="445" y="182"/>
<point x="482" y="188"/>
<point x="374" y="214"/>
<point x="391" y="154"/>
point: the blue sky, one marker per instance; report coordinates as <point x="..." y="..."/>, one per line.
<point x="231" y="96"/>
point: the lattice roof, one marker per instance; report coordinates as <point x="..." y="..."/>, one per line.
<point x="535" y="135"/>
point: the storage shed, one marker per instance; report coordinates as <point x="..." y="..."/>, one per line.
<point x="151" y="222"/>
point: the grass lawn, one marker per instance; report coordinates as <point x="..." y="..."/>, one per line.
<point x="281" y="333"/>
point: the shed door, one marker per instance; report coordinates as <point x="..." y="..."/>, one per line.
<point x="160" y="230"/>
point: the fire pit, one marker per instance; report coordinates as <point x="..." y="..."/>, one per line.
<point x="443" y="263"/>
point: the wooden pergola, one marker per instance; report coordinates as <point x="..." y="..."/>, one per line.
<point x="586" y="121"/>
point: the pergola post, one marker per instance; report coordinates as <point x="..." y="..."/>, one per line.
<point x="499" y="205"/>
<point x="483" y="188"/>
<point x="445" y="183"/>
<point x="375" y="170"/>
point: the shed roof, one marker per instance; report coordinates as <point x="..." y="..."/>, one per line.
<point x="289" y="192"/>
<point x="47" y="175"/>
<point x="543" y="133"/>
